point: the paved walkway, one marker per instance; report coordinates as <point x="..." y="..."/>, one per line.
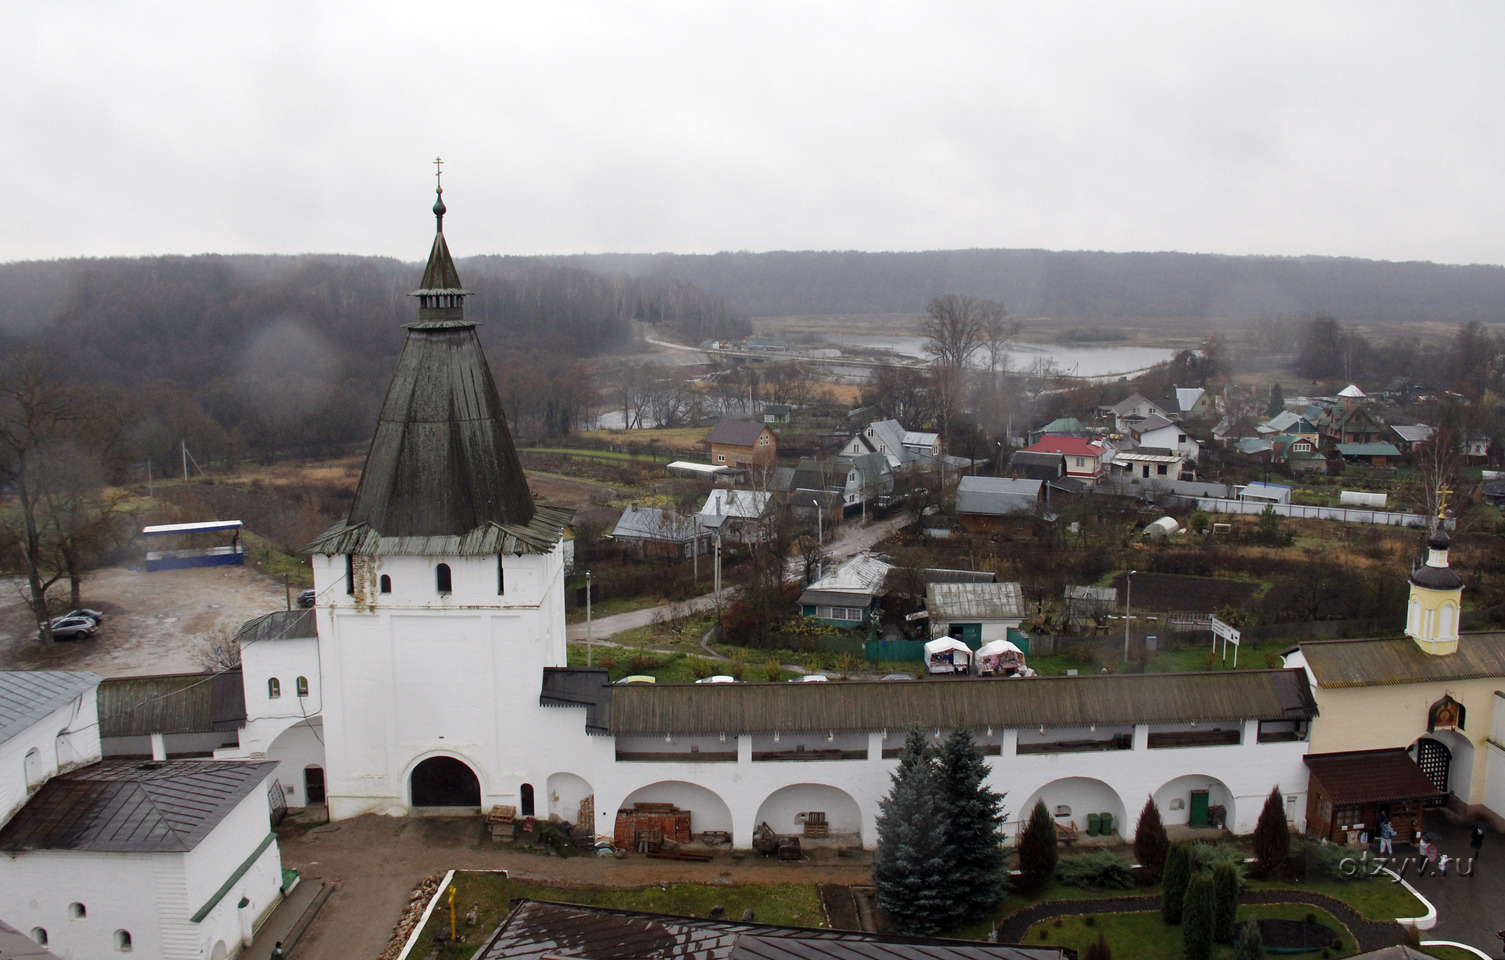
<point x="1470" y="909"/>
<point x="287" y="921"/>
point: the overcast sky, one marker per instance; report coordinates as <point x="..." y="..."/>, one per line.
<point x="1358" y="129"/>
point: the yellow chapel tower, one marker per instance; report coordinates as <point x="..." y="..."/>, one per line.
<point x="1436" y="599"/>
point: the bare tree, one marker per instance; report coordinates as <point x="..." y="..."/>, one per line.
<point x="997" y="333"/>
<point x="1438" y="461"/>
<point x="955" y="329"/>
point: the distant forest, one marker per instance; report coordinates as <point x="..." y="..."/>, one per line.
<point x="1079" y="285"/>
<point x="266" y="356"/>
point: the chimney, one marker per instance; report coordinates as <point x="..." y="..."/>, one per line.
<point x="159" y="747"/>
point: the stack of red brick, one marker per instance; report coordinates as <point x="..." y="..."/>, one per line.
<point x="665" y="819"/>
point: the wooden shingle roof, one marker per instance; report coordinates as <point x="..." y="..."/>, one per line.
<point x="1370" y="776"/>
<point x="1369" y="663"/>
<point x="865" y="706"/>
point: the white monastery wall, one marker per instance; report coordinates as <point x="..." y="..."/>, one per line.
<point x="66" y="738"/>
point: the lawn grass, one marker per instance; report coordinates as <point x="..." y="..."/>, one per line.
<point x="1376" y="898"/>
<point x="1450" y="953"/>
<point x="794" y="904"/>
<point x="607" y="608"/>
<point x="276" y="563"/>
<point x="1144" y="936"/>
<point x="664" y="438"/>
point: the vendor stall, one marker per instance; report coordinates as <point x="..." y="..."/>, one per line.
<point x="947" y="655"/>
<point x="1001" y="658"/>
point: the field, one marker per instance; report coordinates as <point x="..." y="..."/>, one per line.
<point x="1160" y="591"/>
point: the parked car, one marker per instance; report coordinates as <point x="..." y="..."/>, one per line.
<point x="811" y="678"/>
<point x="73" y="628"/>
<point x="719" y="678"/>
<point x="898" y="676"/>
<point x="308" y="598"/>
<point x="638" y="678"/>
<point x="95" y="615"/>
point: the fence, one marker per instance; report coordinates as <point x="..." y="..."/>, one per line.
<point x="1301" y="511"/>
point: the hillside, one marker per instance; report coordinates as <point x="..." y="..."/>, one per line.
<point x="1080" y="285"/>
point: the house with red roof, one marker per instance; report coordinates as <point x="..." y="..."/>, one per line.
<point x="1084" y="458"/>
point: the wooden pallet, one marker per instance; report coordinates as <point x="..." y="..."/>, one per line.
<point x="689" y="856"/>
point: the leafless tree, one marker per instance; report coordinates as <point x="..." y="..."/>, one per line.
<point x="997" y="333"/>
<point x="955" y="329"/>
<point x="1438" y="461"/>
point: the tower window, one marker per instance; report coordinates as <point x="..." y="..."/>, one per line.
<point x="442" y="579"/>
<point x="274" y="688"/>
<point x="39" y="935"/>
<point x="123" y="941"/>
<point x="350" y="574"/>
<point x="526" y="796"/>
<point x="302" y="686"/>
<point x="501" y="577"/>
<point x="386" y="584"/>
<point x="77" y="911"/>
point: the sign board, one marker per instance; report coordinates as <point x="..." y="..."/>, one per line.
<point x="1228" y="635"/>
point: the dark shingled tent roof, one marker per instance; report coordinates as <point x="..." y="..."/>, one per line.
<point x="1370" y="776"/>
<point x="442" y="463"/>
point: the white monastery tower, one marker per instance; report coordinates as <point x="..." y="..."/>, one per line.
<point x="441" y="597"/>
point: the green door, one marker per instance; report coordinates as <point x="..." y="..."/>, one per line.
<point x="1199" y="808"/>
<point x="972" y="635"/>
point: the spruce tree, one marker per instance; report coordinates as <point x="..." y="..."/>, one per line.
<point x="1173" y="887"/>
<point x="1225" y="901"/>
<point x="1037" y="850"/>
<point x="972" y="813"/>
<point x="911" y="868"/>
<point x="1197" y="919"/>
<point x="1150" y="841"/>
<point x="1098" y="949"/>
<point x="1277" y="400"/>
<point x="1272" y="837"/>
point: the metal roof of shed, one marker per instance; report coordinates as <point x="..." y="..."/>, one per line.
<point x="129" y="806"/>
<point x="27" y="696"/>
<point x="172" y="703"/>
<point x="974" y="601"/>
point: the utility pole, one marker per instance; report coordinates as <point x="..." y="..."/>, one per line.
<point x="589" y="630"/>
<point x="183" y="444"/>
<point x="820" y="524"/>
<point x="1128" y="590"/>
<point x="717" y="567"/>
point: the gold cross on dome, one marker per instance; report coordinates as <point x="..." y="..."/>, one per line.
<point x="1442" y="502"/>
<point x="438" y="173"/>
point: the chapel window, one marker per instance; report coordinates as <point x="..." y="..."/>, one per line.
<point x="386" y="584"/>
<point x="274" y="688"/>
<point x="442" y="579"/>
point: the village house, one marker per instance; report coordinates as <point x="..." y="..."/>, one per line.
<point x="992" y="504"/>
<point x="1134" y="408"/>
<point x="977" y="613"/>
<point x="848" y="596"/>
<point x="1298" y="451"/>
<point x="1370" y="454"/>
<point x="1084" y="458"/>
<point x="659" y="533"/>
<point x="736" y="516"/>
<point x="777" y="413"/>
<point x="742" y="443"/>
<point x="1157" y="431"/>
<point x="853" y="481"/>
<point x="1025" y="465"/>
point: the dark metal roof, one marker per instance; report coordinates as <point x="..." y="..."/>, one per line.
<point x="736" y="433"/>
<point x="1436" y="578"/>
<point x="1370" y="776"/>
<point x="27" y="696"/>
<point x="942" y="575"/>
<point x="1369" y="663"/>
<point x="440" y="277"/>
<point x="540" y="535"/>
<point x="588" y="687"/>
<point x="659" y="709"/>
<point x="171" y="703"/>
<point x="15" y="945"/>
<point x="836" y="598"/>
<point x="279" y="625"/>
<point x="128" y="806"/>
<point x="538" y="929"/>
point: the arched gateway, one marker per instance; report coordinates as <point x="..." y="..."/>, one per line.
<point x="444" y="782"/>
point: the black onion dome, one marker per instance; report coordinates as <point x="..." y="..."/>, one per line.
<point x="1439" y="540"/>
<point x="1437" y="578"/>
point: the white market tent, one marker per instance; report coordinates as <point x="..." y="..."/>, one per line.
<point x="1000" y="656"/>
<point x="947" y="655"/>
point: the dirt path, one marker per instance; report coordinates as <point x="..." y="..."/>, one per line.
<point x="379" y="860"/>
<point x="163" y="622"/>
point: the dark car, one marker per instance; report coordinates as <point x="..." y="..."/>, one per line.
<point x="308" y="598"/>
<point x="95" y="615"/>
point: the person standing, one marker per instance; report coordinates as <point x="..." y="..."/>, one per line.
<point x="277" y="952"/>
<point x="1476" y="840"/>
<point x="1387" y="837"/>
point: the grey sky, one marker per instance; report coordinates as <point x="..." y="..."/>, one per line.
<point x="1365" y="129"/>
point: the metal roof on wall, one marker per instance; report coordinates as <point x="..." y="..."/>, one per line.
<point x="172" y="703"/>
<point x="865" y="706"/>
<point x="1376" y="662"/>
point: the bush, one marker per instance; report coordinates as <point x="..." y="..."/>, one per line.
<point x="1249" y="945"/>
<point x="1209" y="857"/>
<point x="1150" y="842"/>
<point x="1324" y="861"/>
<point x="1080" y="655"/>
<point x="1102" y="869"/>
<point x="700" y="667"/>
<point x="1098" y="949"/>
<point x="1225" y="889"/>
<point x="773" y="670"/>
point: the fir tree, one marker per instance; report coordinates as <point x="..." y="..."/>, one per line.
<point x="972" y="813"/>
<point x="1037" y="850"/>
<point x="911" y="867"/>
<point x="1249" y="945"/>
<point x="1098" y="950"/>
<point x="1173" y="887"/>
<point x="1225" y="901"/>
<point x="1150" y="842"/>
<point x="1277" y="402"/>
<point x="1272" y="837"/>
<point x="1197" y="918"/>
